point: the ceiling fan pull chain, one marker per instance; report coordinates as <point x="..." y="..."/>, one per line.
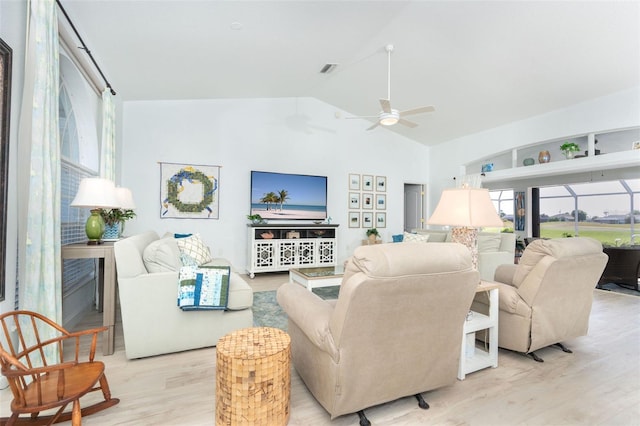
<point x="389" y="50"/>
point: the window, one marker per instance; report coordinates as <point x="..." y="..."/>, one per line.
<point x="503" y="202"/>
<point x="79" y="159"/>
<point x="606" y="211"/>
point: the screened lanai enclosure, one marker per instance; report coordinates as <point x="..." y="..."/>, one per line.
<point x="607" y="211"/>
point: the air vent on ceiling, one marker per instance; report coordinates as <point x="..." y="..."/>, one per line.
<point x="327" y="68"/>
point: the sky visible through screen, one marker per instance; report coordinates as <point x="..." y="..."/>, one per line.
<point x="301" y="189"/>
<point x="597" y="199"/>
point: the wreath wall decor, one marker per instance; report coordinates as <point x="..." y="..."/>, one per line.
<point x="189" y="191"/>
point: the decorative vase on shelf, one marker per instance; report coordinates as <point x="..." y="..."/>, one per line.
<point x="568" y="154"/>
<point x="528" y="161"/>
<point x="544" y="157"/>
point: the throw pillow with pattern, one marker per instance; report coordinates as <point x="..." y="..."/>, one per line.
<point x="414" y="238"/>
<point x="194" y="247"/>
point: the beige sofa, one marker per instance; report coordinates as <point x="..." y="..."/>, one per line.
<point x="147" y="268"/>
<point x="394" y="331"/>
<point x="494" y="249"/>
<point x="547" y="297"/>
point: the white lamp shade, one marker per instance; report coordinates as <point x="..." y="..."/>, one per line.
<point x="96" y="193"/>
<point x="468" y="207"/>
<point x="125" y="198"/>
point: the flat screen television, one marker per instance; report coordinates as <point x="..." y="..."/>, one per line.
<point x="288" y="196"/>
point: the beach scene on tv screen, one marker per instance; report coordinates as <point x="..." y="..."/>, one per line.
<point x="288" y="196"/>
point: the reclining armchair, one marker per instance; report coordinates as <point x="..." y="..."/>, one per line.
<point x="547" y="297"/>
<point x="394" y="331"/>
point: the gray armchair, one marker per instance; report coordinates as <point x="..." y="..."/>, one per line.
<point x="394" y="331"/>
<point x="547" y="297"/>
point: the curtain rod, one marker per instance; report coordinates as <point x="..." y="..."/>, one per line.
<point x="85" y="48"/>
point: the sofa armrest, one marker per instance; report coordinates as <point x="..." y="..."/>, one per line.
<point x="505" y="273"/>
<point x="310" y="313"/>
<point x="510" y="301"/>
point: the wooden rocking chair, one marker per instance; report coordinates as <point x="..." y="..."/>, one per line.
<point x="39" y="385"/>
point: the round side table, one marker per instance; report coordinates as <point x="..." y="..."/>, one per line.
<point x="253" y="377"/>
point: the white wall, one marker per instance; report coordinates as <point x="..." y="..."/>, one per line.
<point x="291" y="135"/>
<point x="12" y="31"/>
<point x="617" y="111"/>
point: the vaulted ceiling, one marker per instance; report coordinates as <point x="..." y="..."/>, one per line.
<point x="482" y="64"/>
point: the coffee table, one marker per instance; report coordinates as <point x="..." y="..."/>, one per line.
<point x="317" y="277"/>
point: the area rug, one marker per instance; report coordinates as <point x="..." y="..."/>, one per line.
<point x="267" y="312"/>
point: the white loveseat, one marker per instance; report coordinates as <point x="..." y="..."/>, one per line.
<point x="493" y="249"/>
<point x="153" y="324"/>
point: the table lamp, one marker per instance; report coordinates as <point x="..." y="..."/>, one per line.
<point x="125" y="198"/>
<point x="95" y="194"/>
<point x="125" y="204"/>
<point x="465" y="210"/>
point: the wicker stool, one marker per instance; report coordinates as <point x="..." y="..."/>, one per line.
<point x="253" y="377"/>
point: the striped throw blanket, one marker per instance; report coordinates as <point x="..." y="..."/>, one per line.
<point x="203" y="287"/>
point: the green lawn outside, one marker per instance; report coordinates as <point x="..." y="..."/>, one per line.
<point x="605" y="233"/>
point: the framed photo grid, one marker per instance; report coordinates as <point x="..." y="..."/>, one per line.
<point x="354" y="200"/>
<point x="367" y="201"/>
<point x="354" y="182"/>
<point x="354" y="219"/>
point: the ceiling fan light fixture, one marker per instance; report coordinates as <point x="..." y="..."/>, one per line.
<point x="389" y="118"/>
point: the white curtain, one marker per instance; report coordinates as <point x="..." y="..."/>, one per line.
<point x="40" y="264"/>
<point x="108" y="143"/>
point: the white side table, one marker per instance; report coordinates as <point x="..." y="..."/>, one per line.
<point x="106" y="285"/>
<point x="481" y="358"/>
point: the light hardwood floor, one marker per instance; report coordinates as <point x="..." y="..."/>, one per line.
<point x="599" y="384"/>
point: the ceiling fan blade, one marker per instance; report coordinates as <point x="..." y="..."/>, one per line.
<point x="407" y="123"/>
<point x="377" y="123"/>
<point x="362" y="116"/>
<point x="420" y="110"/>
<point x="386" y="105"/>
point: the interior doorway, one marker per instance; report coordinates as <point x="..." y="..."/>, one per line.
<point x="414" y="206"/>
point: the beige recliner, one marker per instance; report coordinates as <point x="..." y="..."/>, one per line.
<point x="547" y="297"/>
<point x="395" y="330"/>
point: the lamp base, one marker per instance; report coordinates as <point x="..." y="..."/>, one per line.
<point x="94" y="227"/>
<point x="468" y="237"/>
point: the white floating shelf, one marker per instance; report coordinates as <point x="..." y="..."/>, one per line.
<point x="615" y="160"/>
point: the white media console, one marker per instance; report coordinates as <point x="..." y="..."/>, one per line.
<point x="280" y="247"/>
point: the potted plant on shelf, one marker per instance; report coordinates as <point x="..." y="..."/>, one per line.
<point x="372" y="234"/>
<point x="569" y="149"/>
<point x="256" y="219"/>
<point x="114" y="220"/>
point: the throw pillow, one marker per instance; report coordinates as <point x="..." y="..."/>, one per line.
<point x="162" y="255"/>
<point x="440" y="237"/>
<point x="489" y="242"/>
<point x="194" y="247"/>
<point x="414" y="238"/>
<point x="187" y="260"/>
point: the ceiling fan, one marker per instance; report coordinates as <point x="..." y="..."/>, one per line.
<point x="389" y="116"/>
